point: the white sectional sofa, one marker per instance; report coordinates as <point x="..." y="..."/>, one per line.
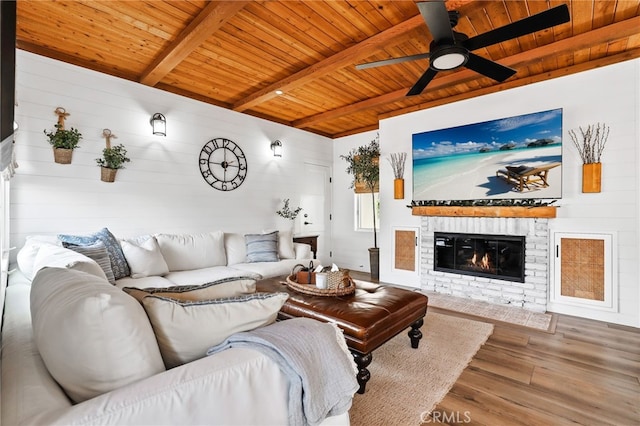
<point x="78" y="350"/>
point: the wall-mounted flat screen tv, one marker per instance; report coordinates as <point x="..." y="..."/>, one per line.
<point x="514" y="157"/>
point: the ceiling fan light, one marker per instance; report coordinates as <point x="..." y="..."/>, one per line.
<point x="448" y="58"/>
<point x="449" y="61"/>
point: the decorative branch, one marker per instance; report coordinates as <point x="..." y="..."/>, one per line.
<point x="397" y="161"/>
<point x="594" y="139"/>
<point x="286" y="212"/>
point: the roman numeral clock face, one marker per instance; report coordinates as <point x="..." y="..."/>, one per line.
<point x="223" y="164"/>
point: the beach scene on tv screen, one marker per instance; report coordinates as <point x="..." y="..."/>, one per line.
<point x="513" y="157"/>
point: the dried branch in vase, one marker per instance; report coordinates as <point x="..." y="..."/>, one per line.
<point x="397" y="161"/>
<point x="594" y="139"/>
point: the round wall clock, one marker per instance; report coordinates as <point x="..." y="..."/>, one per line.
<point x="223" y="164"/>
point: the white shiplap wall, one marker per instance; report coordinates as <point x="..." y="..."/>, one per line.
<point x="609" y="94"/>
<point x="161" y="189"/>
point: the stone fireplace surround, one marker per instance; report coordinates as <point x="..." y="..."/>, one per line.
<point x="530" y="295"/>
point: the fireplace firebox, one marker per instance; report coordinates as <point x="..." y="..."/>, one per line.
<point x="491" y="256"/>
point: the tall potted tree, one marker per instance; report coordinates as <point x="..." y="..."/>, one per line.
<point x="363" y="163"/>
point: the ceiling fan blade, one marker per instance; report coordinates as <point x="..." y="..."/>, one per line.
<point x="540" y="21"/>
<point x="392" y="61"/>
<point x="422" y="82"/>
<point x="489" y="68"/>
<point x="436" y="17"/>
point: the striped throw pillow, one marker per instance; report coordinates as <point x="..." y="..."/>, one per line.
<point x="262" y="247"/>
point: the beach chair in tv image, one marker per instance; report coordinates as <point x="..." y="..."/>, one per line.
<point x="525" y="177"/>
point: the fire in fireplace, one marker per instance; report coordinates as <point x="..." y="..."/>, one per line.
<point x="491" y="256"/>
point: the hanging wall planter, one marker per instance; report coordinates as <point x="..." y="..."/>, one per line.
<point x="594" y="139"/>
<point x="591" y="177"/>
<point x="112" y="158"/>
<point x="397" y="164"/>
<point x="398" y="188"/>
<point x="62" y="155"/>
<point x="63" y="141"/>
<point x="107" y="174"/>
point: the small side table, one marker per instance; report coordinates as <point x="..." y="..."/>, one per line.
<point x="312" y="240"/>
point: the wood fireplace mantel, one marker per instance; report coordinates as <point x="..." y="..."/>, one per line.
<point x="485" y="211"/>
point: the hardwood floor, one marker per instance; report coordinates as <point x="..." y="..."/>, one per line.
<point x="587" y="373"/>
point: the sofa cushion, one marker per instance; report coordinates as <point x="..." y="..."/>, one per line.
<point x="98" y="252"/>
<point x="118" y="262"/>
<point x="186" y="329"/>
<point x="235" y="248"/>
<point x="184" y="252"/>
<point x="228" y="287"/>
<point x="27" y="254"/>
<point x="144" y="282"/>
<point x="285" y="245"/>
<point x="92" y="337"/>
<point x="269" y="269"/>
<point x="262" y="247"/>
<point x="206" y="275"/>
<point x="60" y="257"/>
<point x="145" y="258"/>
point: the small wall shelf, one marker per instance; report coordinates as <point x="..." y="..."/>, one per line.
<point x="485" y="211"/>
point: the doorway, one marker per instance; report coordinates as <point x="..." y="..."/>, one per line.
<point x="315" y="217"/>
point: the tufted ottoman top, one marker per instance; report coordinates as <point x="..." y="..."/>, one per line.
<point x="369" y="317"/>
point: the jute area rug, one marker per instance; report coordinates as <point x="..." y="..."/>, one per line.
<point x="406" y="384"/>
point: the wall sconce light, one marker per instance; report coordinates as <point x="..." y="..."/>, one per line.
<point x="159" y="124"/>
<point x="276" y="147"/>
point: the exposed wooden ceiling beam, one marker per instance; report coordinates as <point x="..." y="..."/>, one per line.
<point x="605" y="34"/>
<point x="560" y="72"/>
<point x="208" y="21"/>
<point x="339" y="60"/>
<point x="585" y="66"/>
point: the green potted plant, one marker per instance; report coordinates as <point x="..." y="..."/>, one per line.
<point x="363" y="163"/>
<point x="63" y="142"/>
<point x="113" y="158"/>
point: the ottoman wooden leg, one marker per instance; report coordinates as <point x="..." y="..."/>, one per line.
<point x="362" y="361"/>
<point x="415" y="334"/>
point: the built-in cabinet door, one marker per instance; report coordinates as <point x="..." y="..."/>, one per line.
<point x="583" y="271"/>
<point x="406" y="256"/>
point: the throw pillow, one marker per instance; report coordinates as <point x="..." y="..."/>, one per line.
<point x="227" y="287"/>
<point x="192" y="251"/>
<point x="118" y="262"/>
<point x="93" y="337"/>
<point x="285" y="244"/>
<point x="60" y="257"/>
<point x="98" y="252"/>
<point x="185" y="330"/>
<point x="262" y="247"/>
<point x="144" y="259"/>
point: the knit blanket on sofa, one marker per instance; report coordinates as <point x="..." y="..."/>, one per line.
<point x="314" y="357"/>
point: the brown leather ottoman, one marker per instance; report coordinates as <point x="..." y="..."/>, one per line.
<point x="371" y="316"/>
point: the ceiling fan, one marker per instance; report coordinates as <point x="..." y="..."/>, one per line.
<point x="450" y="49"/>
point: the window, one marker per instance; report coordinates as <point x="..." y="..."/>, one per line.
<point x="364" y="212"/>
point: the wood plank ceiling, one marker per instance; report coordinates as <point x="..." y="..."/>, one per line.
<point x="237" y="54"/>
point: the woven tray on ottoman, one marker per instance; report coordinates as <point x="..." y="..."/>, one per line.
<point x="339" y="283"/>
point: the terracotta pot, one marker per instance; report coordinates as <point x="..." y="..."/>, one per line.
<point x="107" y="174"/>
<point x="62" y="155"/>
<point x="591" y="177"/>
<point x="398" y="189"/>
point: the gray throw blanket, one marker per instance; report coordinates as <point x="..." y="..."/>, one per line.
<point x="314" y="357"/>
